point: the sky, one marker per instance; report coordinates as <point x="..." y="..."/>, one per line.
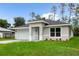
<point x="10" y="10"/>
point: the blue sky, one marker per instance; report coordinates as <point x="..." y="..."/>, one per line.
<point x="9" y="11"/>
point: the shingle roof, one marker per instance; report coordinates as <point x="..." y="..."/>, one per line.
<point x="3" y="29"/>
<point x="51" y="22"/>
<point x="26" y="25"/>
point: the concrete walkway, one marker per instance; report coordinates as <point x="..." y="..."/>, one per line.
<point x="9" y="41"/>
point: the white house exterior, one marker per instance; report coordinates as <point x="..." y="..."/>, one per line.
<point x="5" y="33"/>
<point x="44" y="29"/>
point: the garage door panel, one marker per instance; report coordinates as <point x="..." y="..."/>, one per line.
<point x="22" y="34"/>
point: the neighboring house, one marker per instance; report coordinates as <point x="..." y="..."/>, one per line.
<point x="5" y="33"/>
<point x="44" y="29"/>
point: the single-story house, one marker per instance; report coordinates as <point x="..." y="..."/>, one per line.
<point x="5" y="33"/>
<point x="44" y="29"/>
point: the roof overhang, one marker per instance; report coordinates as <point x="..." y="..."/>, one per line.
<point x="20" y="28"/>
<point x="59" y="25"/>
<point x="5" y="30"/>
<point x="40" y="21"/>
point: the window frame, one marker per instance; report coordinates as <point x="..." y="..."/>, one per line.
<point x="52" y="32"/>
<point x="59" y="32"/>
<point x="55" y="32"/>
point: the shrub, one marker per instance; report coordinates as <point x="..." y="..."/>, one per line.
<point x="76" y="31"/>
<point x="46" y="39"/>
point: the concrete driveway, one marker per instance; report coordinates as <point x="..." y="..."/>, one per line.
<point x="9" y="41"/>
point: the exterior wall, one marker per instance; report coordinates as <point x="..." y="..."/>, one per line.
<point x="1" y="35"/>
<point x="64" y="33"/>
<point x="40" y="25"/>
<point x="22" y="34"/>
<point x="6" y="35"/>
<point x="46" y="33"/>
<point x="35" y="33"/>
<point x="71" y="34"/>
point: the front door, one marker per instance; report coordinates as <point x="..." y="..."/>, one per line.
<point x="35" y="33"/>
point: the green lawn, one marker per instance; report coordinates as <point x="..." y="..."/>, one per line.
<point x="42" y="48"/>
<point x="3" y="39"/>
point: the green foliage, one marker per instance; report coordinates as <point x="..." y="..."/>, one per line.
<point x="38" y="17"/>
<point x="62" y="7"/>
<point x="75" y="23"/>
<point x="19" y="21"/>
<point x="77" y="11"/>
<point x="35" y="16"/>
<point x="53" y="10"/>
<point x="46" y="39"/>
<point x="4" y="23"/>
<point x="76" y="31"/>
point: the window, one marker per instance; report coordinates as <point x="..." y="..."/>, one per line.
<point x="55" y="32"/>
<point x="52" y="31"/>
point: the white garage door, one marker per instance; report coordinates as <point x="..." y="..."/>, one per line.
<point x="22" y="34"/>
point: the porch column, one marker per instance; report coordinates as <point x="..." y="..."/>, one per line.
<point x="41" y="33"/>
<point x="30" y="33"/>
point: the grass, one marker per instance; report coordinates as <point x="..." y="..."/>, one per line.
<point x="2" y="39"/>
<point x="42" y="48"/>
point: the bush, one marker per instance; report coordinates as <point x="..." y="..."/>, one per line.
<point x="46" y="39"/>
<point x="76" y="31"/>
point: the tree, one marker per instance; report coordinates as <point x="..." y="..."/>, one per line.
<point x="76" y="19"/>
<point x="62" y="7"/>
<point x="53" y="10"/>
<point x="4" y="23"/>
<point x="77" y="11"/>
<point x="37" y="17"/>
<point x="76" y="31"/>
<point x="19" y="21"/>
<point x="65" y="19"/>
<point x="75" y="23"/>
<point x="71" y="7"/>
<point x="33" y="15"/>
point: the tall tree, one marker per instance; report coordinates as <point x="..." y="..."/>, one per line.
<point x="65" y="19"/>
<point x="77" y="10"/>
<point x="37" y="17"/>
<point x="4" y="23"/>
<point x="33" y="15"/>
<point x="75" y="23"/>
<point x="77" y="15"/>
<point x="19" y="21"/>
<point x="53" y="10"/>
<point x="71" y="8"/>
<point x="62" y="7"/>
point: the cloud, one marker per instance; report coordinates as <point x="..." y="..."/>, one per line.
<point x="46" y="15"/>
